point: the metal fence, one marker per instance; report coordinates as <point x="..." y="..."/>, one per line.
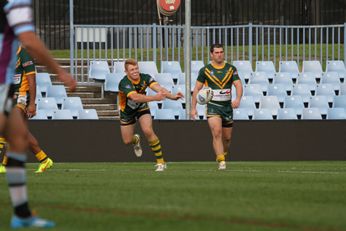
<point x="246" y="42"/>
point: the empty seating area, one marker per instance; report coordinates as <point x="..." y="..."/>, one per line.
<point x="268" y="94"/>
<point x="53" y="103"/>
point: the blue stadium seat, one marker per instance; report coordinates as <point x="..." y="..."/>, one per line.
<point x="295" y="102"/>
<point x="148" y="67"/>
<point x="331" y="77"/>
<point x="313" y="66"/>
<point x="172" y="67"/>
<point x="112" y="82"/>
<point x="320" y="102"/>
<point x="182" y="114"/>
<point x="306" y="78"/>
<point x="196" y="65"/>
<point x="88" y="114"/>
<point x="287" y="114"/>
<point x="326" y="89"/>
<point x="43" y="81"/>
<point x="40" y="115"/>
<point x="201" y="111"/>
<point x="262" y="114"/>
<point x="247" y="102"/>
<point x="267" y="67"/>
<point x="271" y="103"/>
<point x="174" y="105"/>
<point x="337" y="66"/>
<point x="290" y="67"/>
<point x="340" y="101"/>
<point x="58" y="92"/>
<point x="303" y="90"/>
<point x="311" y="114"/>
<point x="98" y="70"/>
<point x="165" y="79"/>
<point x="278" y="90"/>
<point x="63" y="114"/>
<point x="254" y="90"/>
<point x="240" y="114"/>
<point x="342" y="89"/>
<point x="164" y="114"/>
<point x="47" y="103"/>
<point x="153" y="106"/>
<point x="244" y="69"/>
<point x="336" y="113"/>
<point x="74" y="104"/>
<point x="119" y="67"/>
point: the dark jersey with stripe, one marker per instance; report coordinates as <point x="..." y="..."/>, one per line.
<point x="128" y="87"/>
<point x="25" y="66"/>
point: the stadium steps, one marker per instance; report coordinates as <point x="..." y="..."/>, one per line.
<point x="90" y="93"/>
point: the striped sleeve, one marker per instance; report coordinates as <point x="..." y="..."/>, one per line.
<point x="19" y="16"/>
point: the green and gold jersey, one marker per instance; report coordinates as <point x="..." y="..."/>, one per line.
<point x="220" y="79"/>
<point x="25" y="66"/>
<point x="128" y="87"/>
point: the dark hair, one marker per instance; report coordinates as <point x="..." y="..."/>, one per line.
<point x="215" y="45"/>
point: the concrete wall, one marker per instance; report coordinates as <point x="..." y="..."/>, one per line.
<point x="84" y="141"/>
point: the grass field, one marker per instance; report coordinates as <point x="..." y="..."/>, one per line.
<point x="285" y="196"/>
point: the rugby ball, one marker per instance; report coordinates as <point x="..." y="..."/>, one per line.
<point x="204" y="95"/>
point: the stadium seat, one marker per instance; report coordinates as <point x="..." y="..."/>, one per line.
<point x="153" y="106"/>
<point x="306" y="78"/>
<point x="314" y="67"/>
<point x="303" y="90"/>
<point x="40" y="115"/>
<point x="165" y="79"/>
<point x="164" y="114"/>
<point x="331" y="77"/>
<point x="63" y="114"/>
<point x="196" y="65"/>
<point x="311" y="114"/>
<point x="287" y="114"/>
<point x="342" y="89"/>
<point x="337" y="66"/>
<point x="287" y="81"/>
<point x="271" y="103"/>
<point x="148" y="67"/>
<point x="254" y="90"/>
<point x="244" y="69"/>
<point x="326" y="89"/>
<point x="119" y="67"/>
<point x="88" y="114"/>
<point x="174" y="105"/>
<point x="336" y="113"/>
<point x="74" y="104"/>
<point x="278" y="90"/>
<point x="182" y="114"/>
<point x="340" y="101"/>
<point x="172" y="67"/>
<point x="98" y="70"/>
<point x="262" y="114"/>
<point x="259" y="77"/>
<point x="320" y="102"/>
<point x="58" y="92"/>
<point x="248" y="102"/>
<point x="47" y="103"/>
<point x="295" y="102"/>
<point x="112" y="82"/>
<point x="43" y="81"/>
<point x="240" y="114"/>
<point x="267" y="67"/>
<point x="201" y="111"/>
<point x="290" y="67"/>
<point x="38" y="94"/>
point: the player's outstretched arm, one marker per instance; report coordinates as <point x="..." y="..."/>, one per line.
<point x="239" y="91"/>
<point x="193" y="112"/>
<point x="139" y="98"/>
<point x="158" y="88"/>
<point x="40" y="53"/>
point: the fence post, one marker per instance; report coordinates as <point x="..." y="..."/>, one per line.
<point x="71" y="39"/>
<point x="154" y="42"/>
<point x="345" y="43"/>
<point x="250" y="42"/>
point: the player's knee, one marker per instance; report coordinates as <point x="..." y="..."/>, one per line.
<point x="148" y="132"/>
<point x="127" y="140"/>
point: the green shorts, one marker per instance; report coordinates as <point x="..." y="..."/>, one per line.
<point x="131" y="118"/>
<point x="225" y="112"/>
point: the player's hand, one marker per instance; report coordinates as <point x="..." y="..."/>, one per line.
<point x="160" y="95"/>
<point x="68" y="80"/>
<point x="193" y="113"/>
<point x="31" y="110"/>
<point x="235" y="103"/>
<point x="177" y="96"/>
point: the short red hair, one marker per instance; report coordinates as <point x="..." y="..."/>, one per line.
<point x="130" y="62"/>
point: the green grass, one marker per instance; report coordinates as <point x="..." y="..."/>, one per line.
<point x="189" y="196"/>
